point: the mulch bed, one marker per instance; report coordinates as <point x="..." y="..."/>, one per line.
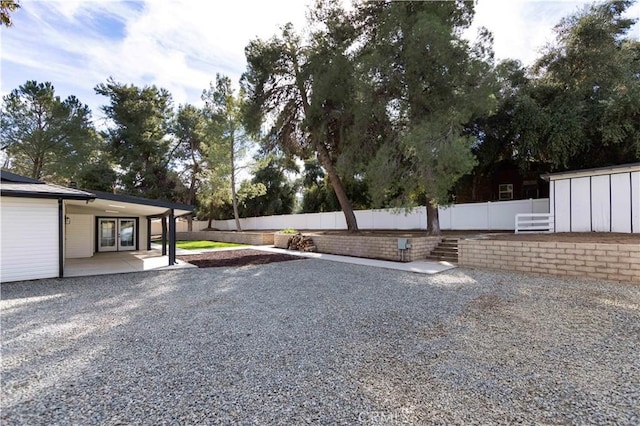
<point x="220" y="258"/>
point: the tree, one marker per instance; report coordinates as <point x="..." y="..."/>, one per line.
<point x="138" y="138"/>
<point x="583" y="108"/>
<point x="431" y="83"/>
<point x="229" y="140"/>
<point x="269" y="192"/>
<point x="191" y="131"/>
<point x="302" y="88"/>
<point x="44" y="136"/>
<point x="7" y="7"/>
<point x="97" y="175"/>
<point x="318" y="196"/>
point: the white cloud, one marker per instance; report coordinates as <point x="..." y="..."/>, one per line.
<point x="182" y="44"/>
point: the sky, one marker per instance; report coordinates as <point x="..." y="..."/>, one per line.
<point x="181" y="44"/>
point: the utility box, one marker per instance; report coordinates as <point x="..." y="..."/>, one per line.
<point x="403" y="243"/>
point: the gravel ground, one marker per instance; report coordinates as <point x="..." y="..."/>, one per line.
<point x="318" y="342"/>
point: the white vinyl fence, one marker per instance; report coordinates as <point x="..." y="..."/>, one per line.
<point x="476" y="216"/>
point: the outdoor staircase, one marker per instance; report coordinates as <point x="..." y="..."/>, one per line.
<point x="446" y="251"/>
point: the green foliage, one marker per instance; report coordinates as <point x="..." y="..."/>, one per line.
<point x="431" y="83"/>
<point x="190" y="128"/>
<point x="227" y="138"/>
<point x="288" y="231"/>
<point x="269" y="192"/>
<point x="583" y="108"/>
<point x="138" y="139"/>
<point x="98" y="176"/>
<point x="197" y="245"/>
<point x="318" y="196"/>
<point x="303" y="87"/>
<point x="45" y="137"/>
<point x="7" y="7"/>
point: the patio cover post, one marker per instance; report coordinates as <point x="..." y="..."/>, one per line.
<point x="164" y="236"/>
<point x="172" y="238"/>
<point x="148" y="233"/>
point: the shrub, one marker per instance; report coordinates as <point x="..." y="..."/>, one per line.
<point x="288" y="231"/>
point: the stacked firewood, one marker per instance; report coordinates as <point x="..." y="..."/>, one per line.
<point x="301" y="243"/>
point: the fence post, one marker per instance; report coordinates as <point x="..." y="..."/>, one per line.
<point x="489" y="215"/>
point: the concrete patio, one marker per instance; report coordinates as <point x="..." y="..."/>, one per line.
<point x="120" y="262"/>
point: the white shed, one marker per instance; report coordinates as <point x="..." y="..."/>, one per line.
<point x="606" y="199"/>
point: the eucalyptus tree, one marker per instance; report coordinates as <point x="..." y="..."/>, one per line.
<point x="45" y="137"/>
<point x="301" y="87"/>
<point x="138" y="138"/>
<point x="228" y="140"/>
<point x="430" y="83"/>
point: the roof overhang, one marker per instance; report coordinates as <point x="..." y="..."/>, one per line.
<point x="43" y="190"/>
<point x="623" y="168"/>
<point x="106" y="204"/>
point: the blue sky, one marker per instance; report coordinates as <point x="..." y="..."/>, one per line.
<point x="181" y="44"/>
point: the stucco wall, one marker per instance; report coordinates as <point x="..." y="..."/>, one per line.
<point x="620" y="262"/>
<point x="79" y="236"/>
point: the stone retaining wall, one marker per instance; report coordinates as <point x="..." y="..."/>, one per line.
<point x="620" y="262"/>
<point x="253" y="238"/>
<point x="385" y="248"/>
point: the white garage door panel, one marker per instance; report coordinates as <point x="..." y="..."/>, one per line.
<point x="562" y="207"/>
<point x="621" y="202"/>
<point x="580" y="205"/>
<point x="635" y="200"/>
<point x="600" y="203"/>
<point x="29" y="248"/>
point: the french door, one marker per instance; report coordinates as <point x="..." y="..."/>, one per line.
<point x="116" y="234"/>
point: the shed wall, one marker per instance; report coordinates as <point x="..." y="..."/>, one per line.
<point x="602" y="203"/>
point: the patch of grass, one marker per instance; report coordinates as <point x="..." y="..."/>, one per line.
<point x="196" y="245"/>
<point x="288" y="231"/>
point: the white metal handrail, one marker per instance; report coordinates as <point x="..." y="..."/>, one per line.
<point x="535" y="222"/>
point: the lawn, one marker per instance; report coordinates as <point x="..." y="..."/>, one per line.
<point x="197" y="245"/>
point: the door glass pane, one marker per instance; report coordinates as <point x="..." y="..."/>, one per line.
<point x="126" y="233"/>
<point x="108" y="233"/>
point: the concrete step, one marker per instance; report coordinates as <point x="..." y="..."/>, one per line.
<point x="446" y="251"/>
<point x="450" y="259"/>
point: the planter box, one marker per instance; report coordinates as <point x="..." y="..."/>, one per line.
<point x="372" y="247"/>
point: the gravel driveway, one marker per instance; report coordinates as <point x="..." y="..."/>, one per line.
<point x="318" y="342"/>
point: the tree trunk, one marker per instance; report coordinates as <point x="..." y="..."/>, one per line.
<point x="192" y="196"/>
<point x="433" y="221"/>
<point x="234" y="195"/>
<point x="234" y="199"/>
<point x="210" y="214"/>
<point x="338" y="188"/>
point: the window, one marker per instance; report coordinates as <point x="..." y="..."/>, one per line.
<point x="505" y="191"/>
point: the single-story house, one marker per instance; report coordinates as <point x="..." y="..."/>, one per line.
<point x="43" y="224"/>
<point x="604" y="199"/>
